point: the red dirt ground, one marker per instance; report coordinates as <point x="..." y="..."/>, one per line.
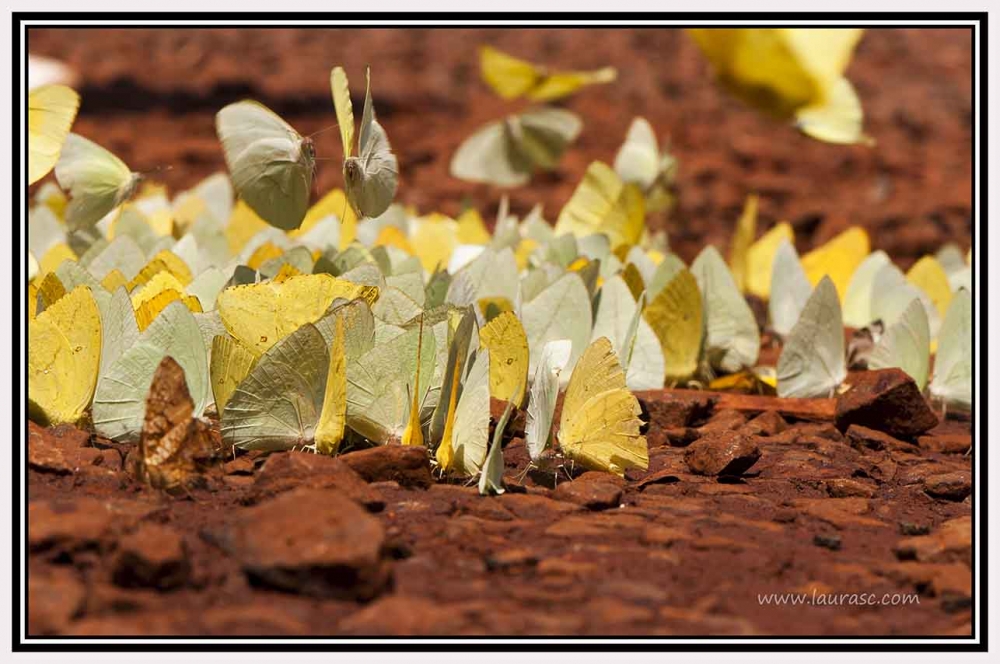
<point x="297" y="544"/>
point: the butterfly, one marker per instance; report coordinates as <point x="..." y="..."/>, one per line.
<point x="51" y="111"/>
<point x="507" y="342"/>
<point x="639" y="161"/>
<point x="506" y="153"/>
<point x="97" y="181"/>
<point x="603" y="203"/>
<point x="542" y="398"/>
<point x="732" y="340"/>
<point x="270" y="163"/>
<point x="512" y="77"/>
<point x="812" y="361"/>
<point x="370" y="178"/>
<point x="952" y="381"/>
<point x="790" y="289"/>
<point x="599" y="425"/>
<point x="906" y="344"/>
<point x="676" y="317"/>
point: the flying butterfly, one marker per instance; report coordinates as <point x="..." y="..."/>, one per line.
<point x="97" y="181"/>
<point x="51" y="111"/>
<point x="370" y="178"/>
<point x="512" y="77"/>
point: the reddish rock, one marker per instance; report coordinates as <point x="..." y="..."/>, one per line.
<point x="529" y="506"/>
<point x="886" y="400"/>
<point x="316" y="542"/>
<point x="950" y="542"/>
<point x="949" y="486"/>
<point x="407" y="464"/>
<point x="70" y="525"/>
<point x="153" y="556"/>
<point x="285" y="471"/>
<point x="672" y="410"/>
<point x="511" y="560"/>
<point x="863" y="438"/>
<point x="845" y="488"/>
<point x="241" y="465"/>
<point x="61" y="450"/>
<point x="400" y="615"/>
<point x="769" y="423"/>
<point x="55" y="598"/>
<point x="723" y="453"/>
<point x="252" y="620"/>
<point x="946" y="443"/>
<point x="594" y="494"/>
<point x="723" y="420"/>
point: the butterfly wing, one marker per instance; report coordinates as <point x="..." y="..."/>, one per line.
<point x="271" y="165"/>
<point x="345" y="111"/>
<point x="51" y="111"/>
<point x="906" y="345"/>
<point x="812" y="361"/>
<point x="96" y="180"/>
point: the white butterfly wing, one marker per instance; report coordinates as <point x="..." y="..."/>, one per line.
<point x="812" y="361"/>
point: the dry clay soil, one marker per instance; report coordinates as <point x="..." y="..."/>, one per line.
<point x="369" y="543"/>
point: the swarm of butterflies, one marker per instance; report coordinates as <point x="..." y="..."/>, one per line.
<point x="356" y="320"/>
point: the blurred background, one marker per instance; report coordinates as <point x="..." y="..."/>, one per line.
<point x="150" y="96"/>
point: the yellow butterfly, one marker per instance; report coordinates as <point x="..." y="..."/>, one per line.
<point x="602" y="203"/>
<point x="512" y="77"/>
<point x="231" y="362"/>
<point x="928" y="275"/>
<point x="760" y="258"/>
<point x="791" y="73"/>
<point x="507" y="342"/>
<point x="261" y="314"/>
<point x="676" y="316"/>
<point x="838" y="258"/>
<point x="599" y="427"/>
<point x="64" y="355"/>
<point x="333" y="417"/>
<point x="51" y="111"/>
<point x="743" y="237"/>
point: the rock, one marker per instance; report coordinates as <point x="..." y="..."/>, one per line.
<point x="838" y="512"/>
<point x="530" y="506"/>
<point x="951" y="542"/>
<point x="61" y="450"/>
<point x="768" y="423"/>
<point x="949" y="486"/>
<point x="506" y="560"/>
<point x="55" y="597"/>
<point x="886" y="400"/>
<point x="723" y="453"/>
<point x="723" y="420"/>
<point x="111" y="459"/>
<point x="241" y="465"/>
<point x="672" y="436"/>
<point x="946" y="443"/>
<point x="153" y="556"/>
<point x="285" y="471"/>
<point x="408" y="465"/>
<point x="64" y="527"/>
<point x="845" y="488"/>
<point x="863" y="438"/>
<point x="252" y="619"/>
<point x="316" y="542"/>
<point x="667" y="410"/>
<point x="913" y="529"/>
<point x="401" y="615"/>
<point x="831" y="542"/>
<point x="594" y="494"/>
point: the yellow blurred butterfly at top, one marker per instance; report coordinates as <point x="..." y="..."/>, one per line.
<point x="51" y="111"/>
<point x="512" y="77"/>
<point x="791" y="73"/>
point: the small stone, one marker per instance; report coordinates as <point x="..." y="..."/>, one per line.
<point x="768" y="423"/>
<point x="946" y="443"/>
<point x="863" y="438"/>
<point x="55" y="597"/>
<point x="111" y="459"/>
<point x="241" y="465"/>
<point x="60" y="450"/>
<point x="64" y="527"/>
<point x="530" y="506"/>
<point x="401" y="615"/>
<point x="153" y="556"/>
<point x="845" y="488"/>
<point x="285" y="471"/>
<point x="671" y="410"/>
<point x="831" y="542"/>
<point x="511" y="559"/>
<point x="315" y="542"/>
<point x="950" y="542"/>
<point x="407" y="464"/>
<point x="887" y="400"/>
<point x="723" y="420"/>
<point x="913" y="529"/>
<point x="723" y="453"/>
<point x="949" y="486"/>
<point x="594" y="495"/>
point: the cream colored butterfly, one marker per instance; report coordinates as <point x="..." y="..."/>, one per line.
<point x="371" y="177"/>
<point x="97" y="181"/>
<point x="812" y="362"/>
<point x="270" y="163"/>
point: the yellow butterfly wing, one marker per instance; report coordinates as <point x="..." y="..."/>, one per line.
<point x="261" y="314"/>
<point x="507" y="342"/>
<point x="760" y="258"/>
<point x="165" y="261"/>
<point x="676" y="316"/>
<point x="54" y="257"/>
<point x="51" y="111"/>
<point x="508" y="76"/>
<point x="231" y="362"/>
<point x="746" y="231"/>
<point x="147" y="312"/>
<point x="838" y="118"/>
<point x="928" y="275"/>
<point x="838" y="258"/>
<point x="603" y="203"/>
<point x="563" y="84"/>
<point x="64" y="355"/>
<point x="599" y="426"/>
<point x="345" y="111"/>
<point x="333" y="417"/>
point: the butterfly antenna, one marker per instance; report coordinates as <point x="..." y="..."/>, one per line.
<point x="324" y="130"/>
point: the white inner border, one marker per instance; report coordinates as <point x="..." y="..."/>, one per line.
<point x="543" y="642"/>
